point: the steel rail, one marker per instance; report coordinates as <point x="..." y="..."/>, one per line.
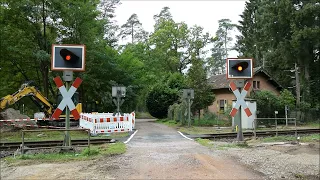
<point x="248" y="134"/>
<point x="50" y="143"/>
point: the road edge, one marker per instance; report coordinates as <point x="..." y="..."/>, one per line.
<point x="130" y="137"/>
<point x="184" y="136"/>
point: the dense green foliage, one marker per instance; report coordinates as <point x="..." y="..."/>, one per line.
<point x="268" y="102"/>
<point x="28" y="28"/>
<point x="155" y="66"/>
<point x="164" y="94"/>
<point x="280" y="33"/>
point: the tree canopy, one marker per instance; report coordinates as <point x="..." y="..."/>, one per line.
<point x="275" y="33"/>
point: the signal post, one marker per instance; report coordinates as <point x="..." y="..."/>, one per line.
<point x="239" y="70"/>
<point x="67" y="58"/>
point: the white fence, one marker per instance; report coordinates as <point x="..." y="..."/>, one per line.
<point x="100" y="123"/>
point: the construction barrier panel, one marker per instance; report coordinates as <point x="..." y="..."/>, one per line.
<point x="100" y="123"/>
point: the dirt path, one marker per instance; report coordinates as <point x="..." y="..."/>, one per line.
<point x="155" y="152"/>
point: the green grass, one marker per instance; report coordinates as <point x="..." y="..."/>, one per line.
<point x="310" y="138"/>
<point x="210" y="144"/>
<point x="231" y="145"/>
<point x="205" y="142"/>
<point x="203" y="130"/>
<point x="307" y="138"/>
<point x="313" y="124"/>
<point x="210" y="122"/>
<point x="86" y="154"/>
<point x="15" y="136"/>
<point x="170" y="123"/>
<point x="143" y="115"/>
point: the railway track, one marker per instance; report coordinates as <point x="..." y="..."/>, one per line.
<point x="4" y="146"/>
<point x="250" y="134"/>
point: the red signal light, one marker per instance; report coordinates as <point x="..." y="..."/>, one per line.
<point x="68" y="57"/>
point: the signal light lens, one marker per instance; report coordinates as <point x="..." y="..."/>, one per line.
<point x="68" y="57"/>
<point x="240" y="68"/>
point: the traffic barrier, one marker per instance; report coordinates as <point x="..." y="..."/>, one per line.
<point x="28" y="125"/>
<point x="29" y="119"/>
<point x="100" y="123"/>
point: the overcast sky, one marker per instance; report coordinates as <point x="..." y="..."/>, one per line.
<point x="205" y="13"/>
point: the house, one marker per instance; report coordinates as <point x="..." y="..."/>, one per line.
<point x="261" y="81"/>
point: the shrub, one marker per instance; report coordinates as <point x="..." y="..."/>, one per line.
<point x="90" y="151"/>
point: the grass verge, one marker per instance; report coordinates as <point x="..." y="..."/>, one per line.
<point x="205" y="142"/>
<point x="93" y="152"/>
<point x="170" y="123"/>
<point x="304" y="138"/>
<point x="313" y="124"/>
<point x="203" y="130"/>
<point x="212" y="144"/>
<point x="143" y="115"/>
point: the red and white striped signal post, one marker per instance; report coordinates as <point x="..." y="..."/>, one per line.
<point x="67" y="101"/>
<point x="67" y="58"/>
<point x="239" y="69"/>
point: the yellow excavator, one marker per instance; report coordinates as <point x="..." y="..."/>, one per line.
<point x="27" y="89"/>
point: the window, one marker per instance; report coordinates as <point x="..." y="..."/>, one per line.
<point x="222" y="105"/>
<point x="256" y="84"/>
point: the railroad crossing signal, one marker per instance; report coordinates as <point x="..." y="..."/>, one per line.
<point x="68" y="57"/>
<point x="239" y="68"/>
<point x="67" y="95"/>
<point x="240" y="99"/>
<point x="118" y="92"/>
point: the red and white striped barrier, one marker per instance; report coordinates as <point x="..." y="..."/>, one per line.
<point x="28" y="125"/>
<point x="107" y="123"/>
<point x="29" y="119"/>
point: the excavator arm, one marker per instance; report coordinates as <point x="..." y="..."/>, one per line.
<point x="26" y="90"/>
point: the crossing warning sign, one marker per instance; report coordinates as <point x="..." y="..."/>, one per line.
<point x="67" y="95"/>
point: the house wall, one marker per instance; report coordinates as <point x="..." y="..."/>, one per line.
<point x="226" y="94"/>
<point x="221" y="94"/>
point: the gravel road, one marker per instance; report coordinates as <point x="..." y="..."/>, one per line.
<point x="155" y="152"/>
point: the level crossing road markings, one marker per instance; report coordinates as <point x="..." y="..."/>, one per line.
<point x="67" y="95"/>
<point x="240" y="99"/>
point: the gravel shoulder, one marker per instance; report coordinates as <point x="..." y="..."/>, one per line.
<point x="279" y="160"/>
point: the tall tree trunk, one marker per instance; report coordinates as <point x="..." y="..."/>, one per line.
<point x="307" y="76"/>
<point x="132" y="33"/>
<point x="225" y="47"/>
<point x="44" y="65"/>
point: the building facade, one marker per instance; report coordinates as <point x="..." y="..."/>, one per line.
<point x="223" y="95"/>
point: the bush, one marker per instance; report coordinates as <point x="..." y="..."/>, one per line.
<point x="211" y="119"/>
<point x="268" y="102"/>
<point x="90" y="151"/>
<point x="177" y="112"/>
<point x="164" y="94"/>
